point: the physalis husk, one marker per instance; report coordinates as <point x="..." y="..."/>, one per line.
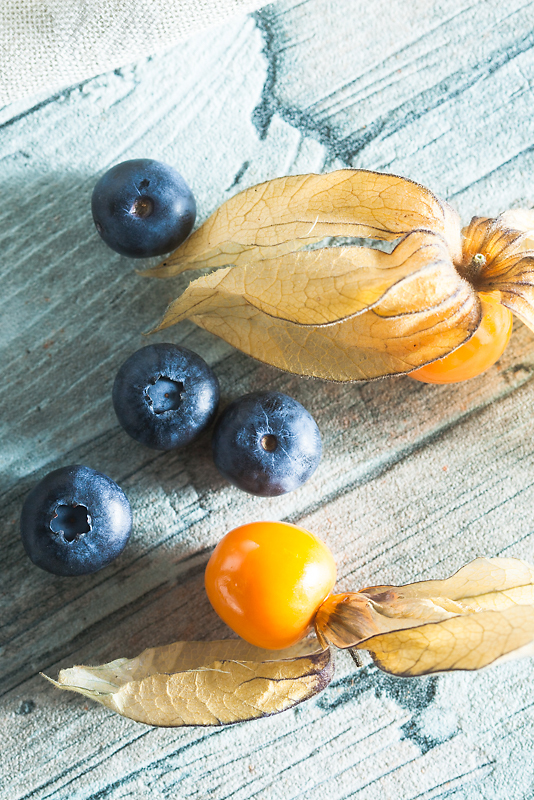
<point x="349" y="313"/>
<point x="482" y="615"/>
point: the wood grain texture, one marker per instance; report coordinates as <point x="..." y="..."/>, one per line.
<point x="415" y="480"/>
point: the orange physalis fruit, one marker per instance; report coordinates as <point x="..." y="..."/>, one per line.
<point x="479" y="353"/>
<point x="266" y="580"/>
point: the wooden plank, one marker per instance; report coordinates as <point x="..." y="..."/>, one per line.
<point x="415" y="480"/>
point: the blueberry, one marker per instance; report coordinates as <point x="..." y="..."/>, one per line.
<point x="143" y="208"/>
<point x="266" y="443"/>
<point x="165" y="396"/>
<point x="75" y="521"/>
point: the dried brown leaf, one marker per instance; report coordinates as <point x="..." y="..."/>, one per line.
<point x="342" y="314"/>
<point x="514" y="279"/>
<point x="285" y="214"/>
<point x="479" y="615"/>
<point x="204" y="683"/>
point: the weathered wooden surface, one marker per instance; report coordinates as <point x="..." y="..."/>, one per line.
<point x="415" y="481"/>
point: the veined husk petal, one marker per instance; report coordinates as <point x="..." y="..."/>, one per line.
<point x="343" y="316"/>
<point x="483" y="613"/>
<point x="286" y="214"/>
<point x="272" y="297"/>
<point x="459" y="643"/>
<point x="204" y="683"/>
<point x="514" y="279"/>
<point x="522" y="220"/>
<point x="318" y="287"/>
<point x="360" y="348"/>
<point x="508" y="262"/>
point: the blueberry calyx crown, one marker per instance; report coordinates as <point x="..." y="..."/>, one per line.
<point x="72" y="521"/>
<point x="163" y="394"/>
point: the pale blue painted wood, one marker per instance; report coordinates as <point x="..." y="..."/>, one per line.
<point x="415" y="480"/>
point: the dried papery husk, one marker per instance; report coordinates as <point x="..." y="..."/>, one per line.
<point x="520" y="219"/>
<point x="341" y="314"/>
<point x="286" y="214"/>
<point x="479" y="616"/>
<point x="497" y="258"/>
<point x="482" y="615"/>
<point x="459" y="643"/>
<point x="275" y="301"/>
<point x="204" y="683"/>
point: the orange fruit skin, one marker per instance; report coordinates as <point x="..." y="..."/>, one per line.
<point x="266" y="580"/>
<point x="477" y="355"/>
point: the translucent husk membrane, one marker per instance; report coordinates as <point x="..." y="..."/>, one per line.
<point x="481" y="615"/>
<point x="349" y="313"/>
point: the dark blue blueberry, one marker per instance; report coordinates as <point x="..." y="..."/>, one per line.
<point x="266" y="443"/>
<point x="75" y="521"/>
<point x="165" y="396"/>
<point x="143" y="208"/>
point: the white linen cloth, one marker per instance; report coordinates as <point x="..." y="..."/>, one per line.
<point x="49" y="44"/>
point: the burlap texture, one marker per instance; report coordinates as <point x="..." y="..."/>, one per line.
<point x="49" y="44"/>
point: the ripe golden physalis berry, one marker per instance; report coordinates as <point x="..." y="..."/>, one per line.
<point x="266" y="580"/>
<point x="479" y="353"/>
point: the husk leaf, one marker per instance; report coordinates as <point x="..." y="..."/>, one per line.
<point x="342" y="314"/>
<point x="204" y="683"/>
<point x="389" y="313"/>
<point x="480" y="615"/>
<point x="285" y="214"/>
<point x="505" y="243"/>
<point x="465" y="643"/>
